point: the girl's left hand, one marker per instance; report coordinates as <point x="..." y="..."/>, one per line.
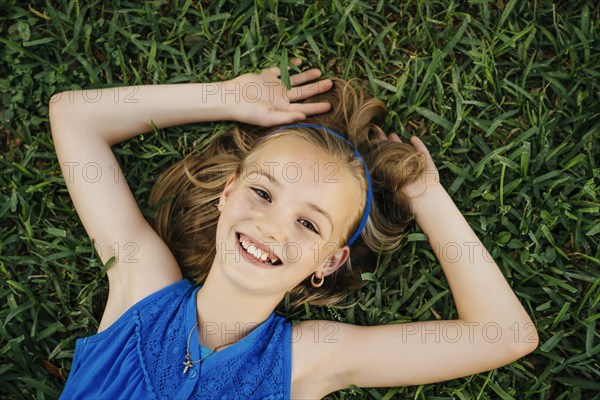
<point x="430" y="178"/>
<point x="263" y="100"/>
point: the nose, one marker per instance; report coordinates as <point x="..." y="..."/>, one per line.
<point x="271" y="224"/>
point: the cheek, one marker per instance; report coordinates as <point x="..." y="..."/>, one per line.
<point x="312" y="253"/>
<point x="238" y="205"/>
<point x="325" y="251"/>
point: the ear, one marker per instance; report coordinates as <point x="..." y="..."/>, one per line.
<point x="226" y="191"/>
<point x="333" y="262"/>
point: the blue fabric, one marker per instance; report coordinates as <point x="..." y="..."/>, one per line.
<point x="141" y="356"/>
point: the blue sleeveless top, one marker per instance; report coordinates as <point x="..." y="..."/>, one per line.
<point x="141" y="355"/>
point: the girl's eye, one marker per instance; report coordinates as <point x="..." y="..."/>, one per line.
<point x="266" y="196"/>
<point x="310" y="226"/>
<point x="258" y="191"/>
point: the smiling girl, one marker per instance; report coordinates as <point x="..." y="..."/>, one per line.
<point x="295" y="208"/>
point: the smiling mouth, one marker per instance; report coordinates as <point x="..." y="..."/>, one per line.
<point x="263" y="259"/>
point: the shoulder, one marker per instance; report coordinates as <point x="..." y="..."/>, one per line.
<point x="157" y="300"/>
<point x="316" y="346"/>
<point x="144" y="267"/>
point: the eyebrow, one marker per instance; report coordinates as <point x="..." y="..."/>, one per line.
<point x="313" y="206"/>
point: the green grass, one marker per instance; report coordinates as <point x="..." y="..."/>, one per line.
<point x="506" y="95"/>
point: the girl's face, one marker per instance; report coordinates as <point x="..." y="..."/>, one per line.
<point x="295" y="203"/>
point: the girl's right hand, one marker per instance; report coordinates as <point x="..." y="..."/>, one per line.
<point x="261" y="99"/>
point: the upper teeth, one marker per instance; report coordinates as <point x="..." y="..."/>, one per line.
<point x="255" y="251"/>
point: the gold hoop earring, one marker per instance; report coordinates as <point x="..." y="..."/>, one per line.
<point x="312" y="281"/>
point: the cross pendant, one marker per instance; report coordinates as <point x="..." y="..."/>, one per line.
<point x="188" y="364"/>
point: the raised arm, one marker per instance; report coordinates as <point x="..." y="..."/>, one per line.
<point x="492" y="329"/>
<point x="480" y="291"/>
<point x="85" y="124"/>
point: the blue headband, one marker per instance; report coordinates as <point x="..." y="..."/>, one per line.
<point x="363" y="220"/>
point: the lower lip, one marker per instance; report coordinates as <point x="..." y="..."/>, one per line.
<point x="250" y="258"/>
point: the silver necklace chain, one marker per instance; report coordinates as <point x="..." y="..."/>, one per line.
<point x="188" y="363"/>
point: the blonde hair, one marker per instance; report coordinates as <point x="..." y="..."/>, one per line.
<point x="186" y="193"/>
